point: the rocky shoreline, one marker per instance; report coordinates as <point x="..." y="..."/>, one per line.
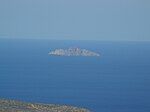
<point x="17" y="106"/>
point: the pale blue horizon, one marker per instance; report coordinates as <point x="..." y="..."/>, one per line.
<point x="75" y="20"/>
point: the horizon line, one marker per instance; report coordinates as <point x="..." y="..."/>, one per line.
<point x="66" y="39"/>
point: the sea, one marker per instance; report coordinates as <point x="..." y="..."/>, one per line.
<point x="117" y="81"/>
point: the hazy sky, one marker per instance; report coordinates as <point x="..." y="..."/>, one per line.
<point x="75" y="19"/>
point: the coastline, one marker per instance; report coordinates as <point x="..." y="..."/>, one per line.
<point x="19" y="106"/>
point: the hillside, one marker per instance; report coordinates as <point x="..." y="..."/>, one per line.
<point x="17" y="106"/>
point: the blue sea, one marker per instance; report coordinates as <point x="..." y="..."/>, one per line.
<point x="117" y="81"/>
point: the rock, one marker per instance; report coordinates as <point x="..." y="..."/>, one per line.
<point x="73" y="52"/>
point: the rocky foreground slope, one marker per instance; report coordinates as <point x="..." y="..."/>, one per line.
<point x="17" y="106"/>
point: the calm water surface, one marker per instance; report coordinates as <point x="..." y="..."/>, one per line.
<point x="117" y="81"/>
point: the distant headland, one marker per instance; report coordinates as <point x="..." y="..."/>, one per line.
<point x="73" y="51"/>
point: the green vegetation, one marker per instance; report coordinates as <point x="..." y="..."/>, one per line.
<point x="17" y="106"/>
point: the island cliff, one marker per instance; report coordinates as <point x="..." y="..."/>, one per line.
<point x="73" y="52"/>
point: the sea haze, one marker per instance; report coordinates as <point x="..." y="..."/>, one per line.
<point x="117" y="81"/>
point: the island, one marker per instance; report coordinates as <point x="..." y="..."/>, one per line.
<point x="73" y="51"/>
<point x="17" y="106"/>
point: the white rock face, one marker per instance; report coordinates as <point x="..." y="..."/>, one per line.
<point x="73" y="52"/>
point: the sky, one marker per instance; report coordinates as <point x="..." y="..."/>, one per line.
<point x="76" y="19"/>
